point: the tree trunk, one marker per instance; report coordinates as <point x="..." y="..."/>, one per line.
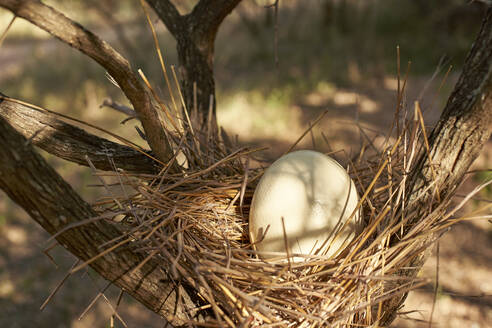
<point x="456" y="141"/>
<point x="195" y="35"/>
<point x="195" y="55"/>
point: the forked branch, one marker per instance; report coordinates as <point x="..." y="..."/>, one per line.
<point x="195" y="34"/>
<point x="72" y="33"/>
<point x="205" y="18"/>
<point x="72" y="143"/>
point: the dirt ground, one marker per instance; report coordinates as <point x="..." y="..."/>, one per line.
<point x="28" y="276"/>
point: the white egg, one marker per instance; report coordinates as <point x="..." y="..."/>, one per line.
<point x="315" y="197"/>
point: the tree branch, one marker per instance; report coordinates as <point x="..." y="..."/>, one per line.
<point x="117" y="66"/>
<point x="464" y="125"/>
<point x="456" y="141"/>
<point x="204" y="19"/>
<point x="49" y="200"/>
<point x="169" y="15"/>
<point x="207" y="15"/>
<point x="71" y="143"/>
<point x="195" y="35"/>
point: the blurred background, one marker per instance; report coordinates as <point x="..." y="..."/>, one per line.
<point x="335" y="55"/>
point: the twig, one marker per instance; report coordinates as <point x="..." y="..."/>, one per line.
<point x="110" y="103"/>
<point x="436" y="287"/>
<point x="4" y="34"/>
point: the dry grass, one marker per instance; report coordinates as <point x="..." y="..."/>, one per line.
<point x="193" y="216"/>
<point x="195" y="220"/>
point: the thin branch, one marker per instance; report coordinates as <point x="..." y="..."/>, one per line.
<point x="275" y="36"/>
<point x="75" y="35"/>
<point x="118" y="107"/>
<point x="71" y="143"/>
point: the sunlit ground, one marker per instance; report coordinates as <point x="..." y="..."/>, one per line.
<point x="263" y="106"/>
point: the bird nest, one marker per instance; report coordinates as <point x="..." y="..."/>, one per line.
<point x="195" y="221"/>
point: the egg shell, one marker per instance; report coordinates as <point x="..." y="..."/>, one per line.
<point x="314" y="195"/>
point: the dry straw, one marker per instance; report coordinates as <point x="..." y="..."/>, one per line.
<point x="193" y="217"/>
<point x="195" y="220"/>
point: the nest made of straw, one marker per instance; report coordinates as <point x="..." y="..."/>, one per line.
<point x="196" y="222"/>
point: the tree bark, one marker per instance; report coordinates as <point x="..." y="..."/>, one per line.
<point x="49" y="200"/>
<point x="455" y="142"/>
<point x="116" y="65"/>
<point x="195" y="35"/>
<point x="45" y="130"/>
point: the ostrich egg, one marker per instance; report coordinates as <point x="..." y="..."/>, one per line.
<point x="315" y="197"/>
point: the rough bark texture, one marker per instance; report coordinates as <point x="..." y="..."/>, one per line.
<point x="464" y="125"/>
<point x="71" y="143"/>
<point x="463" y="129"/>
<point x="117" y="66"/>
<point x="195" y="34"/>
<point x="49" y="200"/>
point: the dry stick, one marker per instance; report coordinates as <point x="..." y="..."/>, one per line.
<point x="118" y="301"/>
<point x="443" y="81"/>
<point x="195" y="99"/>
<point x="207" y="293"/>
<point x="436" y="287"/>
<point x="286" y="244"/>
<point x="467" y="198"/>
<point x="113" y="309"/>
<point x="159" y="101"/>
<point x="243" y="185"/>
<point x="48" y="299"/>
<point x="4" y="34"/>
<point x="93" y="168"/>
<point x="122" y="185"/>
<point x="242" y="151"/>
<point x="228" y="289"/>
<point x="159" y="54"/>
<point x="162" y="174"/>
<point x="103" y="253"/>
<point x="398" y="97"/>
<point x="390" y="180"/>
<point x="312" y="136"/>
<point x="180" y="249"/>
<point x="94" y="300"/>
<point x="47" y="250"/>
<point x="427" y="147"/>
<point x="369" y="188"/>
<point x="275" y="36"/>
<point x="108" y="102"/>
<point x="209" y="120"/>
<point x="84" y="222"/>
<point x="99" y="294"/>
<point x="184" y="108"/>
<point x="432" y="78"/>
<point x="316" y="121"/>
